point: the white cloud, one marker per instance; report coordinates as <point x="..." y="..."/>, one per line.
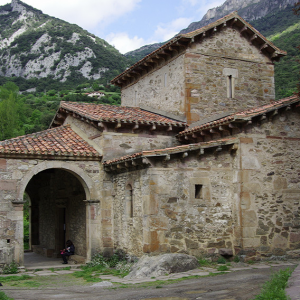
<point x="124" y="43"/>
<point x="168" y="30"/>
<point x="87" y="14"/>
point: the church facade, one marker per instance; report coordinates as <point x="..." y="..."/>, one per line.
<point x="198" y="159"/>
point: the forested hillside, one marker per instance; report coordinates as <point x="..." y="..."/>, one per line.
<point x="32" y="112"/>
<point x="283" y="29"/>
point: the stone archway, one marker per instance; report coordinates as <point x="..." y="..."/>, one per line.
<point x="89" y="200"/>
<point x="58" y="212"/>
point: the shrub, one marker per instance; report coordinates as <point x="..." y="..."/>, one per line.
<point x="221" y="260"/>
<point x="203" y="262"/>
<point x="222" y="268"/>
<point x="11" y="268"/>
<point x="99" y="259"/>
<point x="236" y="259"/>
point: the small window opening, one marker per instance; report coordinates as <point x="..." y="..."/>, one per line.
<point x="230" y="87"/>
<point x="8" y="241"/>
<point x="129" y="201"/>
<point x="198" y="191"/>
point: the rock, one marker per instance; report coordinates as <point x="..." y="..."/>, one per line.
<point x="225" y="252"/>
<point x="293" y="254"/>
<point x="163" y="264"/>
<point x="102" y="284"/>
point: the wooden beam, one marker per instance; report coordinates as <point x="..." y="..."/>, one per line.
<point x="253" y="38"/>
<point x="119" y="125"/>
<point x="135" y="127"/>
<point x="212" y="130"/>
<point x="153" y="127"/>
<point x="245" y="28"/>
<point x="234" y="147"/>
<point x="146" y="161"/>
<point x="265" y="45"/>
<point x="185" y="154"/>
<point x="167" y="157"/>
<point x="263" y="117"/>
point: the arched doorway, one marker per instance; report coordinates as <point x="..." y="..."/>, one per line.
<point x="57" y="212"/>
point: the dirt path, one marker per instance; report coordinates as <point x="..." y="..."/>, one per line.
<point x="237" y="285"/>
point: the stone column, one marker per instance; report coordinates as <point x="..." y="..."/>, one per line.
<point x="17" y="241"/>
<point x="92" y="224"/>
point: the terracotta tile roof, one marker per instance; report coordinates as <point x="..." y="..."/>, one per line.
<point x="113" y="113"/>
<point x="189" y="36"/>
<point x="171" y="150"/>
<point x="57" y="142"/>
<point x="244" y="115"/>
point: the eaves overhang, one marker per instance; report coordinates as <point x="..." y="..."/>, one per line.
<point x="143" y="159"/>
<point x="236" y="120"/>
<point x="100" y="116"/>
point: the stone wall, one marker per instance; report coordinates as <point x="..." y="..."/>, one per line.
<point x="112" y="144"/>
<point x="162" y="89"/>
<point x="245" y="201"/>
<point x="208" y="66"/>
<point x="270" y="193"/>
<point x="222" y="73"/>
<point x="116" y="144"/>
<point x="168" y="216"/>
<point x="15" y="178"/>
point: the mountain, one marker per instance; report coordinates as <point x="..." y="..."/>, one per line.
<point x="42" y="50"/>
<point x="274" y="19"/>
<point x="247" y="9"/>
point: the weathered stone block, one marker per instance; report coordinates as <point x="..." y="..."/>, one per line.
<point x="190" y="244"/>
<point x="8" y="185"/>
<point x="225" y="252"/>
<point x="220" y="244"/>
<point x="294" y="237"/>
<point x="2" y="164"/>
<point x="249" y="218"/>
<point x="251" y="242"/>
<point x="279" y="183"/>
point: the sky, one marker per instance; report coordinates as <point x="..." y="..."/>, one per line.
<point x="127" y="24"/>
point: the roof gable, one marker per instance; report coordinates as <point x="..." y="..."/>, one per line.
<point x="178" y="45"/>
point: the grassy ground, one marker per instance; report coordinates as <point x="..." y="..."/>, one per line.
<point x="275" y="288"/>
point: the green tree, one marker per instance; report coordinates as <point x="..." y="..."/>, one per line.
<point x="10" y="125"/>
<point x="297" y="12"/>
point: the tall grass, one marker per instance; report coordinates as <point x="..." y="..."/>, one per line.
<point x="275" y="288"/>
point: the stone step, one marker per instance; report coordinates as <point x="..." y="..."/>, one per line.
<point x="76" y="259"/>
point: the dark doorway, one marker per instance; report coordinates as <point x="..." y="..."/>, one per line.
<point x="58" y="212"/>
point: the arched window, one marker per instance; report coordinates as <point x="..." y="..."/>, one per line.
<point x="129" y="201"/>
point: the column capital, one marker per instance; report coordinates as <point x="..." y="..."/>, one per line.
<point x="91" y="201"/>
<point x="18" y="202"/>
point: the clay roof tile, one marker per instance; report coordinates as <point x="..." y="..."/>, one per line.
<point x="60" y="141"/>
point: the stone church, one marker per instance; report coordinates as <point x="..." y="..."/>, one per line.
<point x="198" y="159"/>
